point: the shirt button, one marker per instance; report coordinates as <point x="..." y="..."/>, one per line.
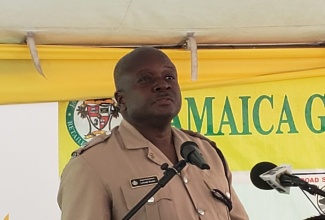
<point x="151" y="200"/>
<point x="151" y="155"/>
<point x="185" y="180"/>
<point x="200" y="211"/>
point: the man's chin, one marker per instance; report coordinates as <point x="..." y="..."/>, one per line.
<point x="168" y="116"/>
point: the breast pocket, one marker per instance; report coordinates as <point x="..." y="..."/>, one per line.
<point x="159" y="206"/>
<point x="219" y="190"/>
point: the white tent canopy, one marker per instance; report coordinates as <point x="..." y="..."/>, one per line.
<point x="165" y="23"/>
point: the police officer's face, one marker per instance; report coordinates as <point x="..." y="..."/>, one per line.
<point x="151" y="90"/>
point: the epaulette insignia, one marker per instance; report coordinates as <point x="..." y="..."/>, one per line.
<point x="90" y="144"/>
<point x="198" y="135"/>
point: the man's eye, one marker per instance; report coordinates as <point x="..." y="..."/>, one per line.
<point x="144" y="79"/>
<point x="170" y="77"/>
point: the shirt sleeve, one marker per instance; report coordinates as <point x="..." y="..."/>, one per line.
<point x="81" y="194"/>
<point x="238" y="211"/>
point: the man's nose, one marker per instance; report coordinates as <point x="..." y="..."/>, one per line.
<point x="160" y="85"/>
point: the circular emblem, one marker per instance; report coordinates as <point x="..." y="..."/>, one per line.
<point x="89" y="118"/>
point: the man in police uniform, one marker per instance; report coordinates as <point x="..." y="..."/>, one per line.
<point x="108" y="177"/>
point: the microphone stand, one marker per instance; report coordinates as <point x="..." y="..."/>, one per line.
<point x="168" y="175"/>
<point x="312" y="189"/>
<point x="296" y="181"/>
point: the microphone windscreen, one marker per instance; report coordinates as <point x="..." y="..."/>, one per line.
<point x="190" y="152"/>
<point x="259" y="169"/>
<point x="187" y="148"/>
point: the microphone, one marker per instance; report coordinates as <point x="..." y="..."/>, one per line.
<point x="266" y="175"/>
<point x="259" y="169"/>
<point x="191" y="154"/>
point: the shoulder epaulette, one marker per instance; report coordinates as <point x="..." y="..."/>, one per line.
<point x="99" y="139"/>
<point x="198" y="135"/>
<point x="213" y="144"/>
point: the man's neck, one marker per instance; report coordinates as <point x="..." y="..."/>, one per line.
<point x="162" y="138"/>
<point x="157" y="136"/>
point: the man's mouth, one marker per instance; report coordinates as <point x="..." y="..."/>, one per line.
<point x="164" y="100"/>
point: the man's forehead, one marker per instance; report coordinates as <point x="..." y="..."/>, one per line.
<point x="147" y="60"/>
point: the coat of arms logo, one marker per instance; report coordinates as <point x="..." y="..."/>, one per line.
<point x="89" y="118"/>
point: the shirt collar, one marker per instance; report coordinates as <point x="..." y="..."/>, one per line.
<point x="132" y="138"/>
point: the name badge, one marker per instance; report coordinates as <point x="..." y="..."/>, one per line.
<point x="143" y="181"/>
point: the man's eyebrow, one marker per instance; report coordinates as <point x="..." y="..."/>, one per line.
<point x="143" y="71"/>
<point x="170" y="66"/>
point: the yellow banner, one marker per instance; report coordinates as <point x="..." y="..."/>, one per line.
<point x="79" y="73"/>
<point x="280" y="121"/>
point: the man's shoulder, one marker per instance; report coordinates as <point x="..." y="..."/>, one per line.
<point x="198" y="135"/>
<point x="96" y="141"/>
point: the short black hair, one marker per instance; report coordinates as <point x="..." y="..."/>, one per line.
<point x="126" y="60"/>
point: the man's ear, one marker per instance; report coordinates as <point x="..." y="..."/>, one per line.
<point x="119" y="97"/>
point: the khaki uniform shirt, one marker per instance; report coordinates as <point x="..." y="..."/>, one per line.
<point x="113" y="173"/>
